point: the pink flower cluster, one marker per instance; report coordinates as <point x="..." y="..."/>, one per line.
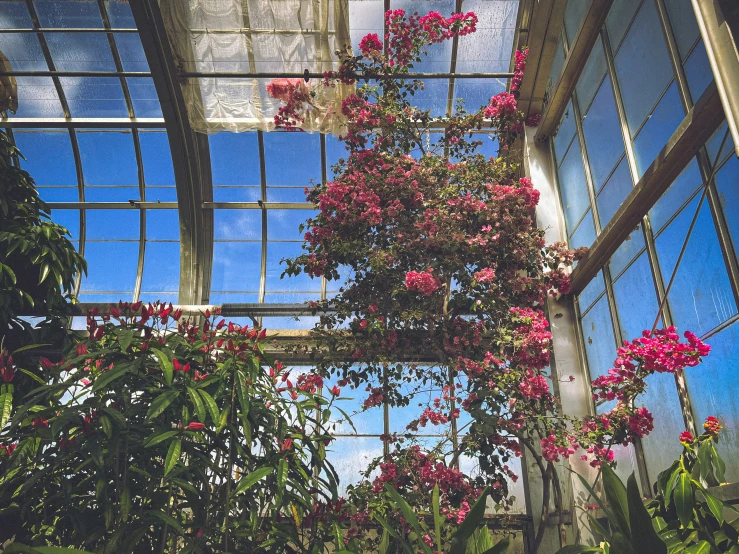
<point x="294" y="93"/>
<point x="534" y="386"/>
<point x="422" y="281"/>
<point x="369" y="43"/>
<point x="519" y="69"/>
<point x="552" y="447"/>
<point x="502" y="104"/>
<point x="531" y="338"/>
<point x="486" y="275"/>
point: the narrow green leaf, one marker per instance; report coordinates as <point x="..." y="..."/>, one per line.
<point x="242" y="390"/>
<point x="211" y="406"/>
<point x="500" y="547"/>
<point x="437" y="516"/>
<point x="167" y="519"/>
<point x="125" y="337"/>
<point x="470" y="523"/>
<point x="684" y="498"/>
<point x="156" y="438"/>
<point x="125" y="504"/>
<point x="59" y="550"/>
<point x="166" y="364"/>
<point x="33" y="376"/>
<point x="107" y="426"/>
<point x="198" y="403"/>
<point x="408" y="513"/>
<point x="281" y="479"/>
<point x="161" y="403"/>
<point x="6" y="408"/>
<point x="44" y="273"/>
<point x="703" y="547"/>
<point x="620" y="544"/>
<point x="390" y="531"/>
<point x="28" y="347"/>
<point x="173" y="456"/>
<point x="577" y="548"/>
<point x="643" y="536"/>
<point x="716" y="506"/>
<point x="617" y="499"/>
<point x="248" y="480"/>
<point x="107" y="377"/>
<point x="719" y="464"/>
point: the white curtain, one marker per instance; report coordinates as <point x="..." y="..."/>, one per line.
<point x="256" y="36"/>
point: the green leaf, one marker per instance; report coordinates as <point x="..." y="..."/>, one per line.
<point x="437" y="516"/>
<point x="643" y="536"/>
<point x="408" y="513"/>
<point x="156" y="438"/>
<point x="595" y="496"/>
<point x="166" y="365"/>
<point x="617" y="499"/>
<point x="684" y="498"/>
<point x="393" y="533"/>
<point x="44" y="273"/>
<point x="242" y="389"/>
<point x="281" y="479"/>
<point x="28" y="347"/>
<point x="596" y="526"/>
<point x="620" y="544"/>
<point x="470" y="523"/>
<point x="59" y="550"/>
<point x="248" y="480"/>
<point x="160" y="403"/>
<point x="718" y="464"/>
<point x="107" y="377"/>
<point x="32" y="376"/>
<point x="167" y="519"/>
<point x="125" y="337"/>
<point x="107" y="426"/>
<point x="703" y="547"/>
<point x="500" y="547"/>
<point x="716" y="506"/>
<point x="198" y="403"/>
<point x="577" y="548"/>
<point x="173" y="456"/>
<point x="6" y="408"/>
<point x="125" y="504"/>
<point x="211" y="406"/>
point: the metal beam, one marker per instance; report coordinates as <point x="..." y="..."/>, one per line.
<point x="721" y="42"/>
<point x="82" y="122"/>
<point x="545" y="25"/>
<point x="684" y="144"/>
<point x="577" y="56"/>
<point x="190" y="156"/>
<point x="75" y="74"/>
<point x="309" y="75"/>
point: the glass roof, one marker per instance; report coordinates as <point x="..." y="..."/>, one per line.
<point x="90" y="125"/>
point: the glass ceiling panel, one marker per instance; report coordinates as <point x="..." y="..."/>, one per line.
<point x="94" y="96"/>
<point x="14" y="15"/>
<point x="119" y="14"/>
<point x="68" y="14"/>
<point x="80" y="51"/>
<point x="37" y="97"/>
<point x="144" y="97"/>
<point x="23" y="51"/>
<point x="108" y="157"/>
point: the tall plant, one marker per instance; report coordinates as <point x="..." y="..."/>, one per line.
<point x="155" y="435"/>
<point x="448" y="271"/>
<point x="38" y="263"/>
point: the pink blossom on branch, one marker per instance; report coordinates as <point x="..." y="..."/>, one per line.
<point x="422" y="281"/>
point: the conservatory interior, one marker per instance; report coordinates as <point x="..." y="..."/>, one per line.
<point x="369" y="276"/>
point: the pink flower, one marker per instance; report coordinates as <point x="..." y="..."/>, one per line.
<point x="85" y="381"/>
<point x="369" y="43"/>
<point x="486" y="275"/>
<point x="686" y="438"/>
<point x="712" y="426"/>
<point x="195" y="426"/>
<point x="423" y="281"/>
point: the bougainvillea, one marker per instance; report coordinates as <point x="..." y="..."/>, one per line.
<point x="449" y="272"/>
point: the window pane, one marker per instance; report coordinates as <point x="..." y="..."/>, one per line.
<point x="614" y="193"/>
<point x="658" y="129"/>
<point x="113" y="224"/>
<point x="636" y="312"/>
<point x="111" y="194"/>
<point x="276" y="251"/>
<point x="48" y="155"/>
<point x="591" y="292"/>
<point x="119" y="14"/>
<point x="234" y="159"/>
<point x="629" y="248"/>
<point x="350" y="455"/>
<point x="680" y="190"/>
<point x="557" y="65"/>
<point x="305" y="147"/>
<point x="23" y="51"/>
<point x="574" y="12"/>
<point x="68" y="14"/>
<point x="600" y="343"/>
<point x="684" y="25"/>
<point x="80" y="51"/>
<point x="603" y="138"/>
<point x="642" y="65"/>
<point x="131" y="52"/>
<point x="237" y="224"/>
<point x="565" y="132"/>
<point x="236" y="266"/>
<point x="112" y="268"/>
<point x="618" y="20"/>
<point x="573" y="187"/>
<point x="283" y="224"/>
<point x="69" y="219"/>
<point x="162" y="225"/>
<point x="94" y="96"/>
<point x="144" y="97"/>
<point x="698" y="71"/>
<point x="161" y="267"/>
<point x="715" y="142"/>
<point x="714" y="391"/>
<point x="591" y="77"/>
<point x="40" y="98"/>
<point x="157" y="158"/>
<point x="108" y="157"/>
<point x="14" y="15"/>
<point x="727" y="182"/>
<point x="584" y="235"/>
<point x="701" y="296"/>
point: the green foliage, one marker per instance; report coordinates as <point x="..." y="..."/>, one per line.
<point x="683" y="517"/>
<point x="112" y="453"/>
<point x="38" y="263"/>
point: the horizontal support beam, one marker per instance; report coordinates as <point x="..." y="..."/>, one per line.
<point x="227" y="310"/>
<point x="690" y="136"/>
<point x="82" y="122"/>
<point x="142" y="205"/>
<point x="47" y="73"/>
<point x="259" y="205"/>
<point x="578" y="54"/>
<point x="69" y="30"/>
<point x="309" y="75"/>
